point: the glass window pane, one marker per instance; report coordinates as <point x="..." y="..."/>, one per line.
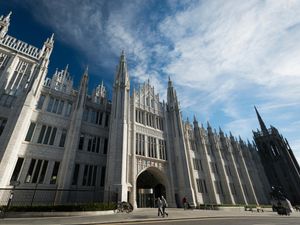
<point x="54" y="173"/>
<point x="43" y="173"/>
<point x="50" y="104"/>
<point x="41" y="136"/>
<point x="55" y="106"/>
<point x="17" y="169"/>
<point x="37" y="171"/>
<point x="30" y="171"/>
<point x="60" y="107"/>
<point x="75" y="174"/>
<point x="30" y="132"/>
<point x="63" y="138"/>
<point x="48" y="132"/>
<point x="41" y="102"/>
<point x="53" y="136"/>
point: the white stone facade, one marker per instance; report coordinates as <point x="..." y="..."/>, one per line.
<point x="87" y="148"/>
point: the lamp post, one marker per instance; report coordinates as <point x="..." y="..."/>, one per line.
<point x="11" y="195"/>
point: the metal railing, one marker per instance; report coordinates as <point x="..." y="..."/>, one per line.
<point x="47" y="197"/>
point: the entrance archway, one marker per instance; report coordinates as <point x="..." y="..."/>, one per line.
<point x="149" y="186"/>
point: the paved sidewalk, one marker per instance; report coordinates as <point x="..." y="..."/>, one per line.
<point x="140" y="215"/>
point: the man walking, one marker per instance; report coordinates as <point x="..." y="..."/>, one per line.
<point x="159" y="207"/>
<point x="164" y="206"/>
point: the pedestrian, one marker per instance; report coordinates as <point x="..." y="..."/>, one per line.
<point x="184" y="203"/>
<point x="159" y="207"/>
<point x="164" y="206"/>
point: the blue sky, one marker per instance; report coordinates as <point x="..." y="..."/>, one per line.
<point x="224" y="57"/>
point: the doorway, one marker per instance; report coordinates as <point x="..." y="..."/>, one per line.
<point x="149" y="188"/>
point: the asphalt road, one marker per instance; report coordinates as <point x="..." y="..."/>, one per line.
<point x="221" y="221"/>
<point x="176" y="216"/>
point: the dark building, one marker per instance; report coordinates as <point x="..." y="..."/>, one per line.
<point x="278" y="160"/>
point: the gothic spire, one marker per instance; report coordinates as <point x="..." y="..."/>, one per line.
<point x="122" y="74"/>
<point x="83" y="88"/>
<point x="261" y="122"/>
<point x="195" y="122"/>
<point x="4" y="24"/>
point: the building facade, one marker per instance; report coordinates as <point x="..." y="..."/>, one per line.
<point x="60" y="145"/>
<point x="279" y="162"/>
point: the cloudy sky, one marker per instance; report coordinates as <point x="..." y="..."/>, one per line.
<point x="223" y="56"/>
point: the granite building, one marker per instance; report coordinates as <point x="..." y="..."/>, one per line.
<point x="59" y="144"/>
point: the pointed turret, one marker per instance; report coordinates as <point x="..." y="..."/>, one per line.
<point x="172" y="96"/>
<point x="261" y="122"/>
<point x="83" y="88"/>
<point x="195" y="122"/>
<point x="209" y="129"/>
<point x="47" y="48"/>
<point x="4" y="24"/>
<point x="221" y="132"/>
<point x="122" y="77"/>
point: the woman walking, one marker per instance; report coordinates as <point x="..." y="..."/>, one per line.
<point x="159" y="207"/>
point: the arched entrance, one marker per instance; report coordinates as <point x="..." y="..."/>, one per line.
<point x="149" y="186"/>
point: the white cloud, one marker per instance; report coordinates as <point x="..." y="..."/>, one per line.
<point x="223" y="56"/>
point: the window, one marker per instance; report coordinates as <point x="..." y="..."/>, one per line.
<point x="140" y="144"/>
<point x="90" y="175"/>
<point x="219" y="188"/>
<point x="53" y="136"/>
<point x="214" y="167"/>
<point x="3" y="122"/>
<point x="152" y="147"/>
<point x="3" y="60"/>
<point x="86" y="114"/>
<point x="54" y="173"/>
<point x="68" y="109"/>
<point x="63" y="138"/>
<point x="30" y="131"/>
<point x="81" y="142"/>
<point x="107" y="120"/>
<point x="46" y="139"/>
<point x="98" y="144"/>
<point x="37" y="171"/>
<point x="17" y="169"/>
<point x="43" y="172"/>
<point x="232" y="187"/>
<point x="94" y="176"/>
<point x="105" y="146"/>
<point x="47" y="135"/>
<point x="75" y="174"/>
<point x="55" y="105"/>
<point x="42" y="133"/>
<point x="162" y="149"/>
<point x="50" y="104"/>
<point x="85" y="174"/>
<point x="90" y="139"/>
<point x="102" y="181"/>
<point x="30" y="171"/>
<point x="41" y="102"/>
<point x="201" y="186"/>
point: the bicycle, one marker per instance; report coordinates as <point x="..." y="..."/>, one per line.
<point x="123" y="207"/>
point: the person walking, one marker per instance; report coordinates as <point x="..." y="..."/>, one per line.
<point x="159" y="207"/>
<point x="164" y="206"/>
<point x="184" y="203"/>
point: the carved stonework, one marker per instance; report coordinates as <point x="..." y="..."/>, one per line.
<point x="149" y="132"/>
<point x="143" y="164"/>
